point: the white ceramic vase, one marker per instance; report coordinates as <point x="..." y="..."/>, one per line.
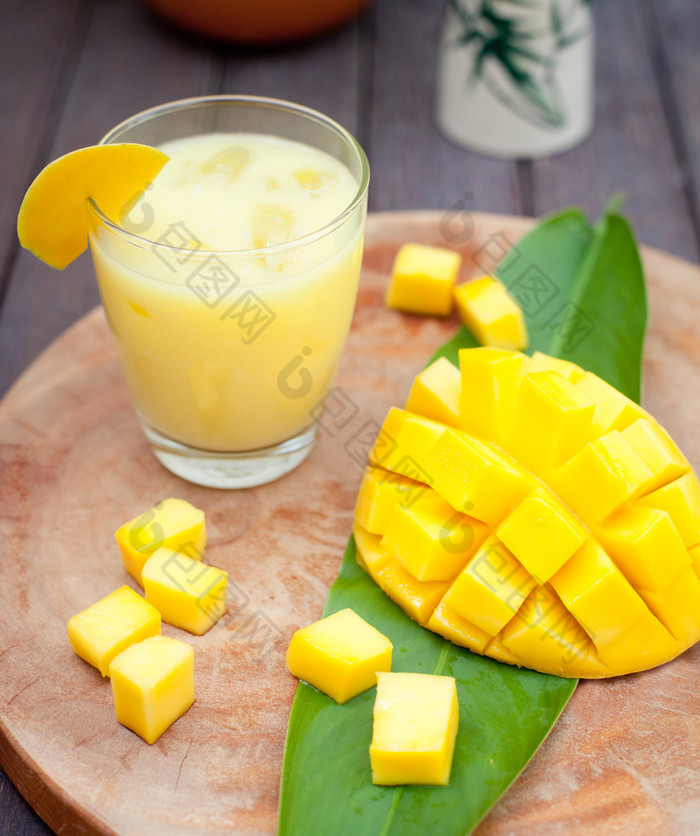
<point x="516" y="76"/>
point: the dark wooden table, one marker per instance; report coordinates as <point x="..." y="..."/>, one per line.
<point x="71" y="70"/>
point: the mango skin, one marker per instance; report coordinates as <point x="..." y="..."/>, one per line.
<point x="587" y="516"/>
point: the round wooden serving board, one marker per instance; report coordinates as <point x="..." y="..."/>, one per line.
<point x="623" y="759"/>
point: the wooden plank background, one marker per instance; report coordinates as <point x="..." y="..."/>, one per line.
<point x="73" y="69"/>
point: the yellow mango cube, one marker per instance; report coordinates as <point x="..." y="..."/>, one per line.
<point x="435" y="392"/>
<point x="681" y="501"/>
<point x="677" y="607"/>
<point x="340" y="655"/>
<point x="431" y="540"/>
<point x="187" y="593"/>
<point x="381" y="492"/>
<point x="551" y="422"/>
<point x="694" y="554"/>
<point x="414" y="731"/>
<point x="403" y="443"/>
<point x="172" y="524"/>
<point x="491" y="313"/>
<point x="613" y="410"/>
<point x="109" y="626"/>
<point x="490" y="379"/>
<point x="473" y="478"/>
<point x="491" y="588"/>
<point x="660" y="454"/>
<point x="423" y="280"/>
<point x="545" y="633"/>
<point x="540" y="362"/>
<point x="153" y="685"/>
<point x="636" y="538"/>
<point x="648" y="642"/>
<point x="591" y="586"/>
<point x="542" y="535"/>
<point x="603" y="475"/>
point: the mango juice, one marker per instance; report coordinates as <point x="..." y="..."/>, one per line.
<point x="231" y="290"/>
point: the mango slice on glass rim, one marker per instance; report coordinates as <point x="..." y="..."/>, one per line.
<point x="547" y="520"/>
<point x="53" y="219"/>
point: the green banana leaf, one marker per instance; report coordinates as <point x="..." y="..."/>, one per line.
<point x="505" y="712"/>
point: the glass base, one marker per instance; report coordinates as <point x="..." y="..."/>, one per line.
<point x="230" y="470"/>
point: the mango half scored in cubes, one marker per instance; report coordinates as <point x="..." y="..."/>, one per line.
<point x="537" y="516"/>
<point x="340" y="655"/>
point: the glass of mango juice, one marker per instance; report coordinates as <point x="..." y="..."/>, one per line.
<point x="229" y="281"/>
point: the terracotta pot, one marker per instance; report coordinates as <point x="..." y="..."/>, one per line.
<point x="259" y="21"/>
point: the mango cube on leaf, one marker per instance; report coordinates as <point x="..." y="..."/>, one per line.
<point x="172" y="524"/>
<point x="491" y="313"/>
<point x="423" y="279"/>
<point x="414" y="731"/>
<point x="109" y="626"/>
<point x="587" y="561"/>
<point x="153" y="685"/>
<point x="186" y="592"/>
<point x="340" y="655"/>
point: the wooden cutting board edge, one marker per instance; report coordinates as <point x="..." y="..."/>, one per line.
<point x="52" y="802"/>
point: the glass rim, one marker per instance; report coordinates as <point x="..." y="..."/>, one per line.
<point x="263" y="101"/>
